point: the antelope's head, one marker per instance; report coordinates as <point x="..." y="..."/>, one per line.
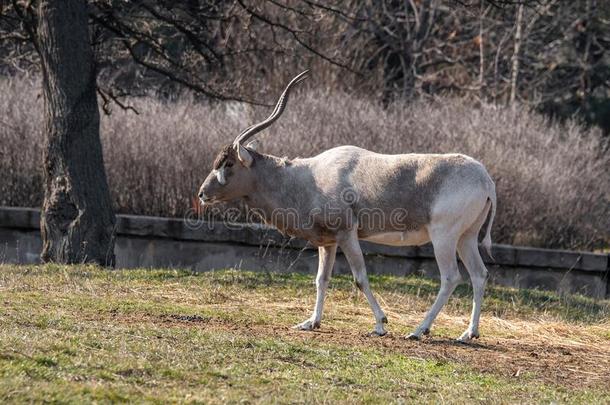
<point x="233" y="173"/>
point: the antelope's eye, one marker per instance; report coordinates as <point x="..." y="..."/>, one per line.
<point x="229" y="164"/>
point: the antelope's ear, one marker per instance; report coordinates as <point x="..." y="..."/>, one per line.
<point x="243" y="155"/>
<point x="253" y="145"/>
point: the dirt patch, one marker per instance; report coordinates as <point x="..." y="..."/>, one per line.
<point x="573" y="366"/>
<point x="563" y="365"/>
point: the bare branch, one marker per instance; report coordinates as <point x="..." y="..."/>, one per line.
<point x="109" y="97"/>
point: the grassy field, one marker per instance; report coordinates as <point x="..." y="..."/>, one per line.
<point x="72" y="334"/>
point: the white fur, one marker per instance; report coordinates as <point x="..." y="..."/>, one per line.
<point x="447" y="199"/>
<point x="220" y="174"/>
<point x="407" y="238"/>
<point x="457" y="214"/>
<point x="457" y="217"/>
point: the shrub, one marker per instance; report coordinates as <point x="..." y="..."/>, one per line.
<point x="552" y="179"/>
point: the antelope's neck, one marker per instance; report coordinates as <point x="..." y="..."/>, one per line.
<point x="275" y="191"/>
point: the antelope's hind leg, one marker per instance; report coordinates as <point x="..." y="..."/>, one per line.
<point x="326" y="260"/>
<point x="468" y="249"/>
<point x="445" y="254"/>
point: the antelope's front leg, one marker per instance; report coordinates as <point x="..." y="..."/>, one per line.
<point x="325" y="268"/>
<point x="350" y="247"/>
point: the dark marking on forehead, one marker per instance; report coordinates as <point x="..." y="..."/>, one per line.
<point x="227" y="153"/>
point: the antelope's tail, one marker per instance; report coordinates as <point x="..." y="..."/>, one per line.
<point x="487" y="239"/>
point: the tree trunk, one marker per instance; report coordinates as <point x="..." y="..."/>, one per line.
<point x="481" y="53"/>
<point x="586" y="62"/>
<point x="515" y="59"/>
<point x="77" y="222"/>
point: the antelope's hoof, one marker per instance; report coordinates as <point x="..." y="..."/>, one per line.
<point x="417" y="334"/>
<point x="308" y="325"/>
<point x="378" y="332"/>
<point x="468" y="336"/>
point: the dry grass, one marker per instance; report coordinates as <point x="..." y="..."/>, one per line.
<point x="552" y="180"/>
<point x="84" y="334"/>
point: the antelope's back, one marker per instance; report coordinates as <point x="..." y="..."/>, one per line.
<point x="366" y="181"/>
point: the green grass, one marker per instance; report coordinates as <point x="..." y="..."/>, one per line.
<point x="74" y="334"/>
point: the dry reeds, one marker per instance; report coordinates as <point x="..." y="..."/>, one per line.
<point x="552" y="179"/>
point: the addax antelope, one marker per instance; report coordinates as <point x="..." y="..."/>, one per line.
<point x="347" y="194"/>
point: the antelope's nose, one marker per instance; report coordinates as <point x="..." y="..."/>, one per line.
<point x="201" y="195"/>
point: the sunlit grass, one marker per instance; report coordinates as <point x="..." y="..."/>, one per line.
<point x="85" y="334"/>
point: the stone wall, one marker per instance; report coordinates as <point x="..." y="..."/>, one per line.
<point x="166" y="242"/>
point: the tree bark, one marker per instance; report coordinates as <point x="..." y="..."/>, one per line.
<point x="481" y="53"/>
<point x="515" y="59"/>
<point x="77" y="222"/>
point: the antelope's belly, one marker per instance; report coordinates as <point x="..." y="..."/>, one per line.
<point x="408" y="238"/>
